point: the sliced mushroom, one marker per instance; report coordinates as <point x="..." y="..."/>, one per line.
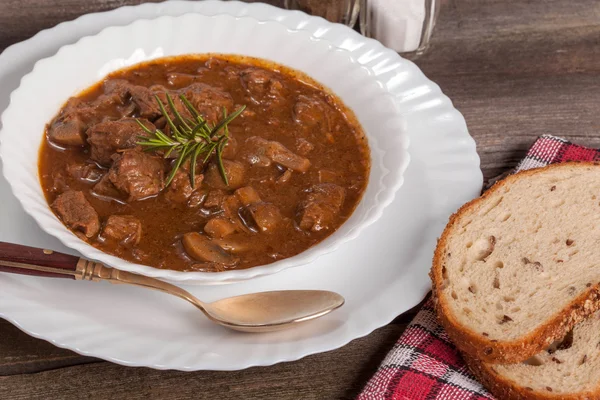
<point x="201" y="248"/>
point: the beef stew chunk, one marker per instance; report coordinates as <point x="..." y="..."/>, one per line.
<point x="124" y="230"/>
<point x="214" y="199"/>
<point x="262" y="85"/>
<point x="321" y="207"/>
<point x="296" y="164"/>
<point x="142" y="98"/>
<point x="106" y="138"/>
<point x="180" y="189"/>
<point x="137" y="174"/>
<point x="105" y="189"/>
<point x="77" y="213"/>
<point x="209" y="101"/>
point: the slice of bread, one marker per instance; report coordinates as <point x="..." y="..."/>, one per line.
<point x="568" y="370"/>
<point x="517" y="268"/>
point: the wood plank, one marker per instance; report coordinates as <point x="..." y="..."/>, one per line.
<point x="21" y="354"/>
<point x="517" y="70"/>
<point x="337" y="374"/>
<point x="506" y="113"/>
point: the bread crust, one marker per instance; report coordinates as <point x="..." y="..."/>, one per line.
<point x="507" y="389"/>
<point x="488" y="350"/>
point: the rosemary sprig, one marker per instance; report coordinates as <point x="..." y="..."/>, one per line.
<point x="190" y="138"/>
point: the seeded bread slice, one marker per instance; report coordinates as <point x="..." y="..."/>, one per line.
<point x="568" y="370"/>
<point x="517" y="268"/>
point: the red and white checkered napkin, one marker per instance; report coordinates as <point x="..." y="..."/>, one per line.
<point x="424" y="365"/>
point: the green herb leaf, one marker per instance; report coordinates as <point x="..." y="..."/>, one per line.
<point x="220" y="148"/>
<point x="189" y="138"/>
<point x="227" y="119"/>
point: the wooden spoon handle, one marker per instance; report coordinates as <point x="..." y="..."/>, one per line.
<point x="18" y="259"/>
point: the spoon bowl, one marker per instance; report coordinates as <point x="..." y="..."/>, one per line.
<point x="269" y="311"/>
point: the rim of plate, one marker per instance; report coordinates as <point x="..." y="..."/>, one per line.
<point x="382" y="198"/>
<point x="469" y="168"/>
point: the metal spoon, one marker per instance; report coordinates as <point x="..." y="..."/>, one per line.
<point x="255" y="312"/>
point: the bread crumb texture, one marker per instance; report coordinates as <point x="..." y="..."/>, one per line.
<point x="569" y="368"/>
<point x="520" y="255"/>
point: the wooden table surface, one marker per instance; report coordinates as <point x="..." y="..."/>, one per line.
<point x="516" y="69"/>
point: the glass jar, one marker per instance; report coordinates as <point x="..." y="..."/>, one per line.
<point x="401" y="25"/>
<point x="337" y="11"/>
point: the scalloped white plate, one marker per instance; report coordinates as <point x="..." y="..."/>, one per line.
<point x="381" y="274"/>
<point x="77" y="66"/>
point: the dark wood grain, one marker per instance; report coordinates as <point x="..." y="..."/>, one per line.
<point x="515" y="69"/>
<point x="10" y="252"/>
<point x="337" y="374"/>
<point x="22" y="354"/>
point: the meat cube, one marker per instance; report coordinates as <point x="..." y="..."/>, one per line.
<point x="87" y="173"/>
<point x="262" y="85"/>
<point x="137" y="174"/>
<point x="278" y="153"/>
<point x="77" y="116"/>
<point x="116" y="99"/>
<point x="247" y="195"/>
<point x="141" y="97"/>
<point x="311" y="112"/>
<point x="209" y="101"/>
<point x="118" y="87"/>
<point x="77" y="213"/>
<point x="145" y="102"/>
<point x="316" y="216"/>
<point x="106" y="138"/>
<point x="214" y="199"/>
<point x="266" y="216"/>
<point x="180" y="189"/>
<point x="105" y="190"/>
<point x="201" y="248"/>
<point x="321" y="207"/>
<point x="123" y="229"/>
<point x="219" y="227"/>
<point x="67" y="130"/>
<point x="235" y="172"/>
<point x="162" y="92"/>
